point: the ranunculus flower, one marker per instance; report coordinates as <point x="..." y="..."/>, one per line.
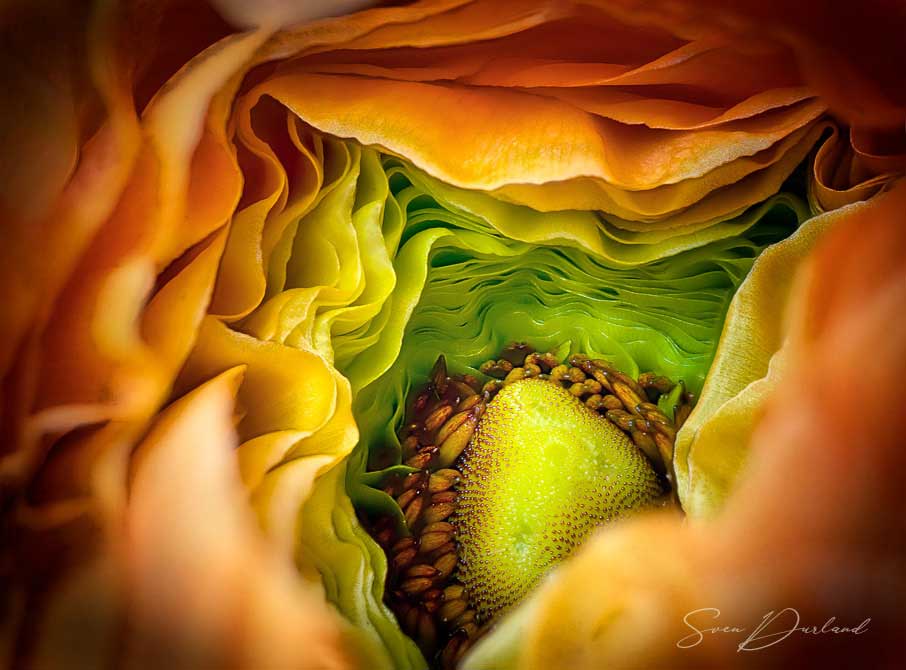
<point x="234" y="245"/>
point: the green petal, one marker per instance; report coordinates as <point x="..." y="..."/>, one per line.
<point x="353" y="569"/>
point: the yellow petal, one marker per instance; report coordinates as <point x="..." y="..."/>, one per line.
<point x="712" y="445"/>
<point x="284" y="388"/>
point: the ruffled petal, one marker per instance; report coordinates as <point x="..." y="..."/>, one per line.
<point x="645" y="126"/>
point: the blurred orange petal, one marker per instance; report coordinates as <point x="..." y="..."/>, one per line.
<point x="201" y="576"/>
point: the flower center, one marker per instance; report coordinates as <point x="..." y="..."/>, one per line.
<point x="540" y="473"/>
<point x="509" y="478"/>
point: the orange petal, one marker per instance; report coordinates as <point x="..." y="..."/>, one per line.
<point x="199" y="574"/>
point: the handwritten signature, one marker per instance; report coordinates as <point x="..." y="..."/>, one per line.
<point x="773" y="629"/>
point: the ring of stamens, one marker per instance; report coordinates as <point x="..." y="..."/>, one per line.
<point x="431" y="604"/>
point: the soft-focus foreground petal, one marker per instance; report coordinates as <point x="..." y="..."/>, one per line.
<point x="815" y="524"/>
<point x="57" y="188"/>
<point x="128" y="259"/>
<point x="204" y="587"/>
<point x="97" y="260"/>
<point x="279" y="13"/>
